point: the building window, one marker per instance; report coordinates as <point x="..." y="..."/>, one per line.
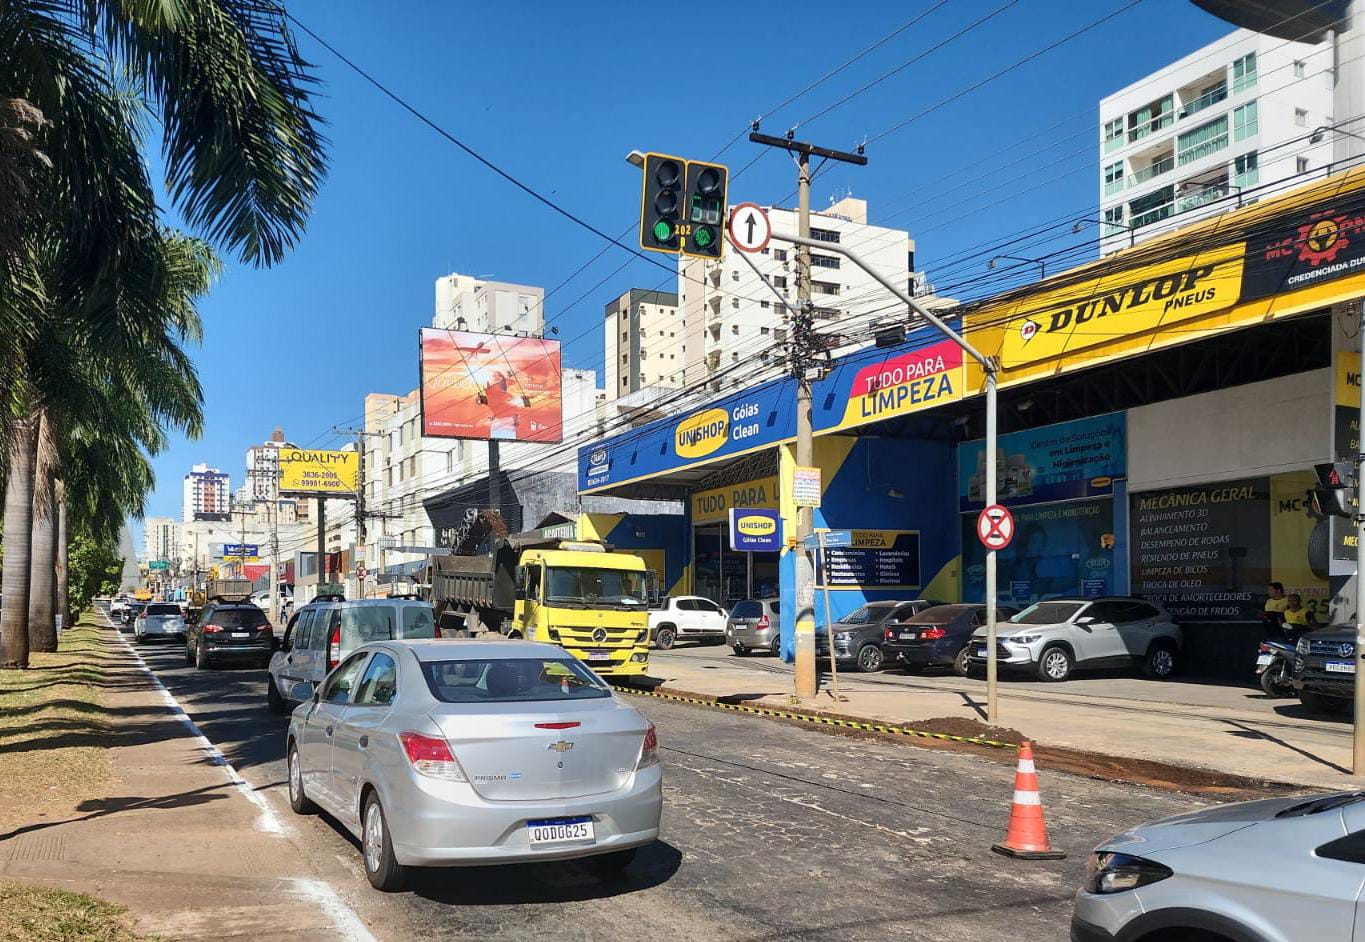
<point x="824" y="261"/>
<point x="734" y="302"/>
<point x="1150" y="118"/>
<point x="1299" y="70"/>
<point x="824" y="287"/>
<point x="1246" y="173"/>
<point x="780" y="255"/>
<point x="1300" y="117"/>
<point x="734" y="329"/>
<point x="1113" y="178"/>
<point x="1244" y="73"/>
<point x="1114" y="214"/>
<point x="764" y="304"/>
<point x="1113" y="135"/>
<point x="779" y="281"/>
<point x="734" y="275"/>
<point x="1301" y="165"/>
<point x="1153" y="207"/>
<point x="1202" y="141"/>
<point x="824" y="235"/>
<point x="763" y="331"/>
<point x="1244" y="123"/>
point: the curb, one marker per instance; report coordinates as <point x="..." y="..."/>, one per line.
<point x="820" y="719"/>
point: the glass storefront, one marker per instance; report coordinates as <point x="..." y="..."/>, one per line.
<point x="725" y="576"/>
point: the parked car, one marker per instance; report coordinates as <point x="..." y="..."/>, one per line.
<point x="229" y="631"/>
<point x="322" y="633"/>
<point x="1055" y="637"/>
<point x="754" y="625"/>
<point x="159" y="620"/>
<point x="465" y="752"/>
<point x="859" y="635"/>
<point x="940" y="636"/>
<point x="686" y="618"/>
<point x="1279" y="868"/>
<point x="1324" y="669"/>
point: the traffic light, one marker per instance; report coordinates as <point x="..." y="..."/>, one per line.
<point x="1334" y="495"/>
<point x="661" y="203"/>
<point x="704" y="217"/>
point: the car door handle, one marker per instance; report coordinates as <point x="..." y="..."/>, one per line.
<point x="364" y="741"/>
<point x="329" y="731"/>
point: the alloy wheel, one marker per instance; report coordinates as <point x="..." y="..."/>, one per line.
<point x="1055" y="665"/>
<point x="869" y="659"/>
<point x="1163" y="662"/>
<point x="295" y="776"/>
<point x="374" y="836"/>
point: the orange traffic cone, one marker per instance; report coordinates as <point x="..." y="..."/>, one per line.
<point x="1026" y="838"/>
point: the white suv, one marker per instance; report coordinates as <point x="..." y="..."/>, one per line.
<point x="1056" y="636"/>
<point x="686" y="618"/>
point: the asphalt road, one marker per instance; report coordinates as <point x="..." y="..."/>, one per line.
<point x="771" y="831"/>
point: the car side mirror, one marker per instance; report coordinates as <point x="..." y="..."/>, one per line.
<point x="1085" y="620"/>
<point x="301" y="691"/>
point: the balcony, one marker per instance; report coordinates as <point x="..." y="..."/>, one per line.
<point x="1155" y="214"/>
<point x="1209" y="194"/>
<point x="1155" y="169"/>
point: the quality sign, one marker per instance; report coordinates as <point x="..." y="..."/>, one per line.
<point x="308" y="472"/>
<point x="755" y="530"/>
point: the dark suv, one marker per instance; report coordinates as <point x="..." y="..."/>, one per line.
<point x="1325" y="669"/>
<point x="226" y="631"/>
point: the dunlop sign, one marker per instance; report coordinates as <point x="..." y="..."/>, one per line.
<point x="319" y="472"/>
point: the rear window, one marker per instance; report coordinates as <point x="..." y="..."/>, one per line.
<point x="748" y="609"/>
<point x="361" y="624"/>
<point x="163" y="609"/>
<point x="517" y="680"/>
<point x="238" y="617"/>
<point x="418" y="621"/>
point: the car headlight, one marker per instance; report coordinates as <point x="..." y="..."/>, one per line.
<point x="1023" y="639"/>
<point x="1302" y="647"/>
<point x="844" y="636"/>
<point x="1112" y="872"/>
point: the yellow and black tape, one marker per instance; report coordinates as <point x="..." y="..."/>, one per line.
<point x="819" y="719"/>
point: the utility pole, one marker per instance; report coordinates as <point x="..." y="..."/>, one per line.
<point x="803" y="348"/>
<point x="361" y="514"/>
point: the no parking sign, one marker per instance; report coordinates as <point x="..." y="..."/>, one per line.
<point x="995" y="527"/>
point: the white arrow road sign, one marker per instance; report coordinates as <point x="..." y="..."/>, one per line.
<point x="749" y="228"/>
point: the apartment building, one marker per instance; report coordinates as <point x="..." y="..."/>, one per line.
<point x="734" y="322"/>
<point x="206" y="495"/>
<point x="1239" y="118"/>
<point x="161" y="538"/>
<point x="644" y="343"/>
<point x="464" y="302"/>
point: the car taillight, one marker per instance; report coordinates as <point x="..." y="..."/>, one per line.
<point x="431" y="756"/>
<point x="1263" y="649"/>
<point x="649" y="751"/>
<point x="763" y="623"/>
<point x="930" y="634"/>
<point x="888" y="634"/>
<point x="334" y="648"/>
<point x="212" y="629"/>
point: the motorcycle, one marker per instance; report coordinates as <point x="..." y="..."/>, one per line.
<point x="1275" y="666"/>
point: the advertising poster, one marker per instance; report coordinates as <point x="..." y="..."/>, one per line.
<point x="1204" y="551"/>
<point x="1058" y="549"/>
<point x="1056" y="462"/>
<point x="1346" y="443"/>
<point x="755" y="530"/>
<point x="1292" y="527"/>
<point x="878" y="559"/>
<point x="490" y="386"/>
<point x="307" y="472"/>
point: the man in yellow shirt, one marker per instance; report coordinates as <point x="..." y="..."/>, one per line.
<point x="1295" y="616"/>
<point x="1277" y="601"/>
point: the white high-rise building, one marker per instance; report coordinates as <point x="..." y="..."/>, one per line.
<point x="207" y="495"/>
<point x="491" y="307"/>
<point x="263" y="468"/>
<point x="1221" y="127"/>
<point x="645" y="346"/>
<point x="734" y="324"/>
<point x="161" y="538"/>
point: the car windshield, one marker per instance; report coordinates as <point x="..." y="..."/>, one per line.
<point x="863" y="615"/>
<point x="163" y="610"/>
<point x="238" y="617"/>
<point x="518" y="680"/>
<point x="1047" y="613"/>
<point x="938" y="615"/>
<point x="580" y="584"/>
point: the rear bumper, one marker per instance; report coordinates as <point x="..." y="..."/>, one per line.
<point x="922" y="652"/>
<point x="237" y="650"/>
<point x="751" y="637"/>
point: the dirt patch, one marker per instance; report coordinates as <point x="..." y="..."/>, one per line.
<point x="39" y="914"/>
<point x="967" y="728"/>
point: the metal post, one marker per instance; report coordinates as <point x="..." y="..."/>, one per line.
<point x="361" y="531"/>
<point x="991" y="591"/>
<point x="494" y="477"/>
<point x="1358" y="738"/>
<point x="829" y="619"/>
<point x="322" y="543"/>
<point x="804" y="641"/>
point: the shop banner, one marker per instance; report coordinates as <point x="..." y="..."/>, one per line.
<point x="1058" y="549"/>
<point x="904" y="383"/>
<point x="1057" y="462"/>
<point x="714" y="504"/>
<point x="877" y="559"/>
<point x="1346" y="442"/>
<point x="755" y="530"/>
<point x="1318" y="243"/>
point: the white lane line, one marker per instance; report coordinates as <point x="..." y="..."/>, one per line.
<point x="266" y="819"/>
<point x="345" y="922"/>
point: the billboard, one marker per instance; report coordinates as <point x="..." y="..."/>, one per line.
<point x="308" y="472"/>
<point x="489" y="386"/>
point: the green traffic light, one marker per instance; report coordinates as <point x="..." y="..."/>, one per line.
<point x="703" y="237"/>
<point x="663" y="230"/>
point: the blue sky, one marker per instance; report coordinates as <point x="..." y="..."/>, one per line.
<point x="558" y="93"/>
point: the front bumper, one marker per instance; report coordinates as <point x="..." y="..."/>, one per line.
<point x="622" y="662"/>
<point x="1082" y="931"/>
<point x="447" y="824"/>
<point x="1321" y="682"/>
<point x="1008" y="654"/>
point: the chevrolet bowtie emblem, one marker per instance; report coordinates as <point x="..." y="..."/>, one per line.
<point x="561" y="747"/>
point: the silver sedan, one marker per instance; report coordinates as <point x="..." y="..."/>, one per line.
<point x="471" y="752"/>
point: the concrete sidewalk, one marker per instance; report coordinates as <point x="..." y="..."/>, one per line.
<point x="179" y="839"/>
<point x="1180" y="725"/>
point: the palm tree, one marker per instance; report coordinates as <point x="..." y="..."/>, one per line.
<point x="42" y="591"/>
<point x="14" y="579"/>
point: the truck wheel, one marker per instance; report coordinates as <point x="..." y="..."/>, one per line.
<point x="665" y="636"/>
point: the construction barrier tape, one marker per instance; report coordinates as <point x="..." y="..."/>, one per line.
<point x="817" y="718"/>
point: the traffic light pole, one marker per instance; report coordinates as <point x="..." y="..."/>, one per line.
<point x="803" y="344"/>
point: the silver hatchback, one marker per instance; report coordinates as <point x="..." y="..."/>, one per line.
<point x="754" y="625"/>
<point x="472" y="752"/>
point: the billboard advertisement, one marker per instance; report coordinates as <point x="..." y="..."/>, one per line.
<point x="489" y="386"/>
<point x="311" y="473"/>
<point x="1058" y="549"/>
<point x="1056" y="462"/>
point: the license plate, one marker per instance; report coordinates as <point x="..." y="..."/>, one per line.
<point x="909" y="635"/>
<point x="599" y="655"/>
<point x="561" y="831"/>
<point x="1263" y="660"/>
<point x="241" y="634"/>
<point x="1340" y="667"/>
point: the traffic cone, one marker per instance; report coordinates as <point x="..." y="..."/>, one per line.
<point x="1026" y="837"/>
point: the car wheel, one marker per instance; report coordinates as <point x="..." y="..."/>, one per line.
<point x="298" y="801"/>
<point x="383" y="871"/>
<point x="277" y="703"/>
<point x="741" y="651"/>
<point x="1160" y="662"/>
<point x="776" y="647"/>
<point x="1317" y="703"/>
<point x="664" y="637"/>
<point x="1055" y="665"/>
<point x="962" y="663"/>
<point x="1275" y="680"/>
<point x="201" y="658"/>
<point x="611" y="865"/>
<point x="870" y="659"/>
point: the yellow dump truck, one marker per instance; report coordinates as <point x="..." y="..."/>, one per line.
<point x="583" y="596"/>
